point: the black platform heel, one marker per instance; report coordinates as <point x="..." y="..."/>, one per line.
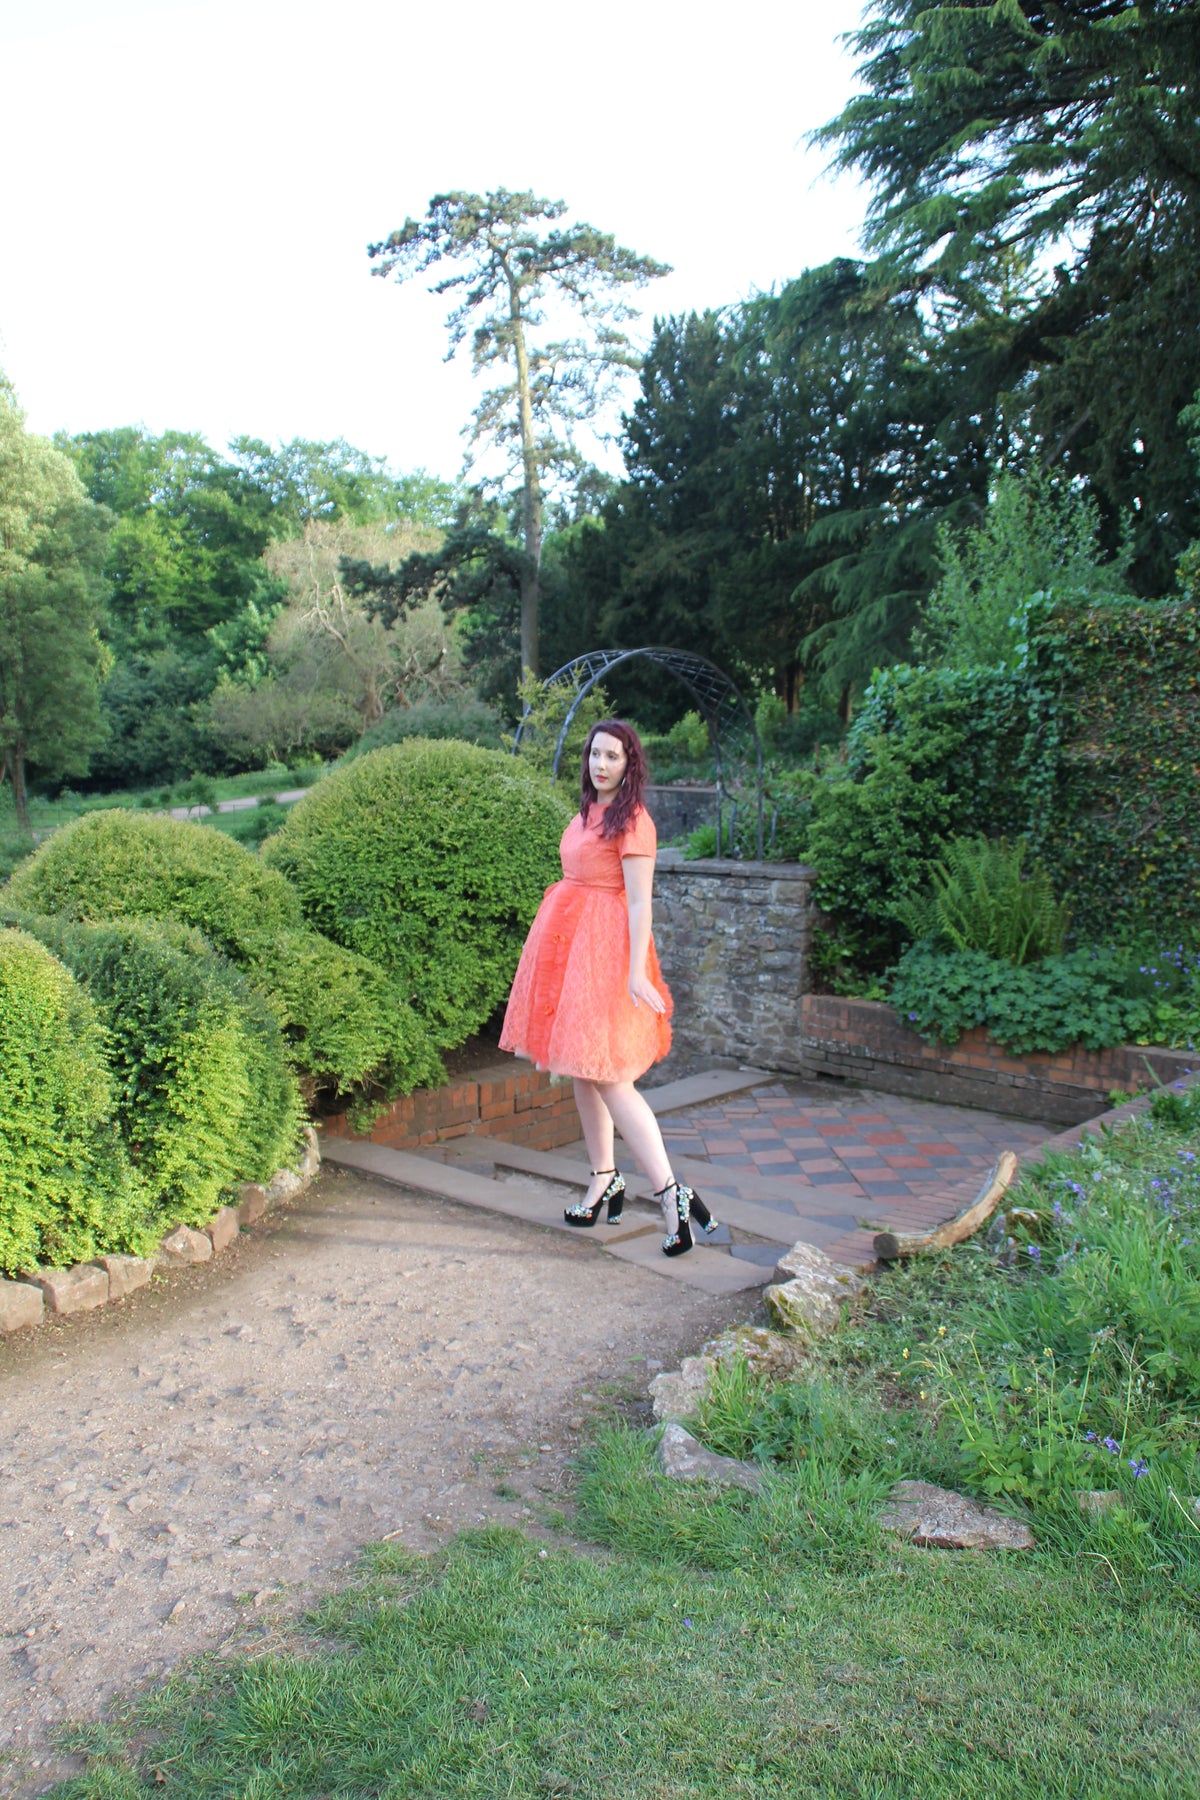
<point x="614" y="1193"/>
<point x="688" y="1206"/>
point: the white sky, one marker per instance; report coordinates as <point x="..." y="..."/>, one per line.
<point x="190" y="186"/>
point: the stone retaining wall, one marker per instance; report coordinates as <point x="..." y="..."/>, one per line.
<point x="864" y="1041"/>
<point x="733" y="940"/>
<point x="508" y="1100"/>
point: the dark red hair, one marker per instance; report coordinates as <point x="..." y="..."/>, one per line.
<point x="621" y="811"/>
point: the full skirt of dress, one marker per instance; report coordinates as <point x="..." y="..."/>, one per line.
<point x="570" y="1009"/>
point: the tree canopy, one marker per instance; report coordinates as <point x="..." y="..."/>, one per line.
<point x="1036" y="175"/>
<point x="512" y="259"/>
<point x="52" y="544"/>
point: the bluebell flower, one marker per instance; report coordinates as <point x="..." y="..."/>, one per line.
<point x="1034" y="1251"/>
<point x="1140" y="1467"/>
<point x="1089" y="1437"/>
<point x="1112" y="1446"/>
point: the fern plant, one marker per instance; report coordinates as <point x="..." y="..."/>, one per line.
<point x="982" y="897"/>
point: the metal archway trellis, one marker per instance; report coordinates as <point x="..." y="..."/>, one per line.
<point x="731" y="729"/>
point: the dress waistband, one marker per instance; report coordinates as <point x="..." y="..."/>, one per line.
<point x="599" y="887"/>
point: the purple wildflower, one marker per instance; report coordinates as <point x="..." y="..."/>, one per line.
<point x="1034" y="1251"/>
<point x="1089" y="1437"/>
<point x="1112" y="1446"/>
<point x="1140" y="1467"/>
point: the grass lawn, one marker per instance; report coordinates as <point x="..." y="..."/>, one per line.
<point x="46" y="815"/>
<point x="498" y="1669"/>
<point x="714" y="1643"/>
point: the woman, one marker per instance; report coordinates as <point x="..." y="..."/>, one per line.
<point x="589" y="1000"/>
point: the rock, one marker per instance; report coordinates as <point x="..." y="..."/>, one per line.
<point x="683" y="1459"/>
<point x="125" y="1273"/>
<point x="310" y="1160"/>
<point x="1099" y="1500"/>
<point x="252" y="1202"/>
<point x="679" y="1393"/>
<point x="20" y="1304"/>
<point x="222" y="1228"/>
<point x="72" y="1290"/>
<point x="940" y="1519"/>
<point x="183" y="1246"/>
<point x="777" y="1354"/>
<point x="809" y="1291"/>
<point x="284" y="1184"/>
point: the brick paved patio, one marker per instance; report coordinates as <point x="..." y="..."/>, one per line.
<point x="839" y="1159"/>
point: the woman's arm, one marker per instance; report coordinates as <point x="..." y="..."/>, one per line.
<point x="639" y="885"/>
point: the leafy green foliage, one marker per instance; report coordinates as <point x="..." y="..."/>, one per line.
<point x="66" y="1189"/>
<point x="1121" y="839"/>
<point x="982" y="898"/>
<point x="51" y="605"/>
<point x="1079" y="998"/>
<point x="546" y="706"/>
<point x="1001" y="138"/>
<point x="1036" y="537"/>
<point x="116" y="864"/>
<point x="347" y="1022"/>
<point x="430" y="859"/>
<point x="338" y="1010"/>
<point x="204" y="1094"/>
<point x="469" y="720"/>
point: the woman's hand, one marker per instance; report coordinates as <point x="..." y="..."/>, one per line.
<point x="642" y="988"/>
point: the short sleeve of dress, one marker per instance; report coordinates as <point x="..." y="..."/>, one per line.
<point x="640" y="838"/>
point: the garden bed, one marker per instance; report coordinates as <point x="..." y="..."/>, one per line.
<point x="864" y="1041"/>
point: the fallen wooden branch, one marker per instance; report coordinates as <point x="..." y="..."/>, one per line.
<point x="890" y="1245"/>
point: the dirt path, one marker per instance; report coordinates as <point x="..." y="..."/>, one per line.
<point x="181" y="1471"/>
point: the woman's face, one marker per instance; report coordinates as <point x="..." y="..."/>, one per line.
<point x="606" y="764"/>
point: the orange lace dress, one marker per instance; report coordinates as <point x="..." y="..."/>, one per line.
<point x="570" y="1009"/>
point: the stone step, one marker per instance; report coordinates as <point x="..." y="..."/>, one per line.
<point x="710" y="1084"/>
<point x="738" y="1209"/>
<point x="634" y="1240"/>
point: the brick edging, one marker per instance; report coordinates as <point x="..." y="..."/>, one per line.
<point x="864" y="1040"/>
<point x="84" y="1286"/>
<point x="506" y="1099"/>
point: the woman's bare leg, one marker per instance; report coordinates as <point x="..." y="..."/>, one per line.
<point x="637" y="1124"/>
<point x="597" y="1124"/>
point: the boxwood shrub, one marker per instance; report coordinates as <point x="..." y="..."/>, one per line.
<point x="119" y="865"/>
<point x="429" y="858"/>
<point x="66" y="1189"/>
<point x="345" y="1021"/>
<point x="204" y="1096"/>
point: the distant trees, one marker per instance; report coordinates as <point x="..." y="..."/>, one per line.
<point x="512" y="259"/>
<point x="52" y="546"/>
<point x="1037" y="179"/>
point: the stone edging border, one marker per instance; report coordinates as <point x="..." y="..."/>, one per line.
<point x="84" y="1286"/>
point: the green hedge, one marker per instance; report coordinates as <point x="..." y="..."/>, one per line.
<point x="66" y="1190"/>
<point x="1122" y="724"/>
<point x="1091" y="753"/>
<point x="346" y="1023"/>
<point x="119" y="865"/>
<point x="470" y="721"/>
<point x="204" y="1095"/>
<point x="429" y="858"/>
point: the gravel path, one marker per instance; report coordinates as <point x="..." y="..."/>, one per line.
<point x="183" y="1471"/>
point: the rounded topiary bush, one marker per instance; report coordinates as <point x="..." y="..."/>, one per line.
<point x="345" y="1022"/>
<point x="66" y="1192"/>
<point x="119" y="865"/>
<point x="468" y="721"/>
<point x="204" y="1094"/>
<point x="429" y="858"/>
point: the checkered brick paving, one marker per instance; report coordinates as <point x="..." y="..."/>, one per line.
<point x="848" y="1163"/>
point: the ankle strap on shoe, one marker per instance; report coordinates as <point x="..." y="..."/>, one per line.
<point x="604" y="1171"/>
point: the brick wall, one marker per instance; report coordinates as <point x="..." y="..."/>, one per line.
<point x="864" y="1041"/>
<point x="507" y="1100"/>
<point x="732" y="938"/>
